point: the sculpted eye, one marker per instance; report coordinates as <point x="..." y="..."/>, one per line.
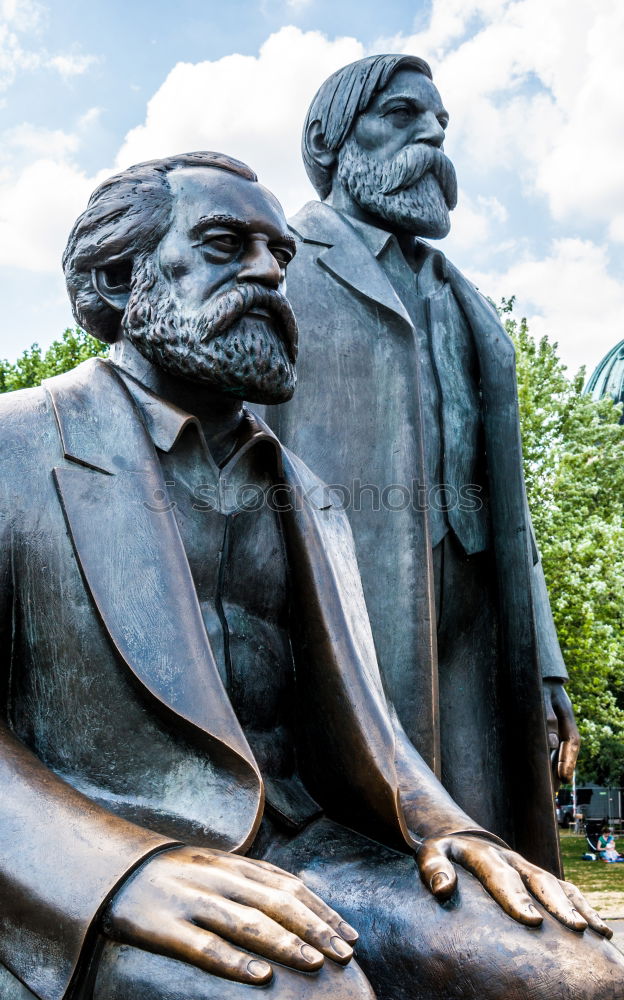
<point x="225" y="241"/>
<point x="221" y="245"/>
<point x="282" y="254"/>
<point x="443" y="119"/>
<point x="400" y="116"/>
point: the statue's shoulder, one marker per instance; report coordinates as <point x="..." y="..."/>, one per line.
<point x="28" y="415"/>
<point x="28" y="432"/>
<point x="320" y="225"/>
<point x="318" y="495"/>
<point x="21" y="407"/>
<point x="464" y="286"/>
<point x="296" y="469"/>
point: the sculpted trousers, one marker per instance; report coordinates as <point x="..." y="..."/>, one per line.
<point x="410" y="947"/>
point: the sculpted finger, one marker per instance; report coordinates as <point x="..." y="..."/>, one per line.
<point x="436" y="871"/>
<point x="278" y="879"/>
<point x="209" y="952"/>
<point x="568" y="733"/>
<point x="579" y="902"/>
<point x="248" y="928"/>
<point x="568" y="755"/>
<point x="549" y="892"/>
<point x="296" y="917"/>
<point x="490" y="866"/>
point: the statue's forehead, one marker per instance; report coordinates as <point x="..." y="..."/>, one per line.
<point x="409" y="82"/>
<point x="200" y="192"/>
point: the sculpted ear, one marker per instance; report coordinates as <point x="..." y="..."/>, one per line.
<point x="315" y="142"/>
<point x="112" y="284"/>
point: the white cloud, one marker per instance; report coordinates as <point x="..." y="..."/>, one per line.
<point x="89" y="118"/>
<point x="298" y="5"/>
<point x="616" y="228"/>
<point x="21" y="50"/>
<point x="569" y="295"/>
<point x="13" y="57"/>
<point x="42" y="191"/>
<point x="251" y="107"/>
<point x="36" y="212"/>
<point x="475" y="220"/>
<point x="71" y="65"/>
<point x="16" y="18"/>
<point x="35" y="141"/>
<point x="22" y="15"/>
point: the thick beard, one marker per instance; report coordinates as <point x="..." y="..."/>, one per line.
<point x="415" y="191"/>
<point x="247" y="358"/>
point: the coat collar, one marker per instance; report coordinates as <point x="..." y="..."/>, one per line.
<point x="344" y="253"/>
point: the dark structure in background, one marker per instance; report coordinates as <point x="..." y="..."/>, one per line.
<point x="607" y="379"/>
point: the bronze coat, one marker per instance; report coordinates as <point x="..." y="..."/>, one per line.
<point x="111" y="682"/>
<point x="354" y="335"/>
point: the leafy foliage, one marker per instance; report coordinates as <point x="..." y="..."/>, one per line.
<point x="574" y="468"/>
<point x="34" y="365"/>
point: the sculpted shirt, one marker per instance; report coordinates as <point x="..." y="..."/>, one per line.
<point x="449" y="389"/>
<point x="230" y="528"/>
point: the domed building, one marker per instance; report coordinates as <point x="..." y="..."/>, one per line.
<point x="608" y="377"/>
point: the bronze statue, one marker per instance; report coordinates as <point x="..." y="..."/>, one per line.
<point x="407" y="405"/>
<point x="204" y="786"/>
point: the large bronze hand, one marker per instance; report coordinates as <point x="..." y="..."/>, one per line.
<point x="561" y="725"/>
<point x="513" y="882"/>
<point x="203" y="907"/>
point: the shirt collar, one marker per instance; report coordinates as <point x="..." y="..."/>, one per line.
<point x="377" y="240"/>
<point x="165" y="422"/>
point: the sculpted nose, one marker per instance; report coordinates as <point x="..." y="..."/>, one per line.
<point x="429" y="130"/>
<point x="260" y="265"/>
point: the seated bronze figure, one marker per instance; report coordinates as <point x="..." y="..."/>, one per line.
<point x="205" y="789"/>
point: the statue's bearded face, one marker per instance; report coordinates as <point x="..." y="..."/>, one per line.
<point x="207" y="305"/>
<point x="392" y="164"/>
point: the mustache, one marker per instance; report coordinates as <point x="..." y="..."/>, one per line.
<point x="226" y="308"/>
<point x="412" y="162"/>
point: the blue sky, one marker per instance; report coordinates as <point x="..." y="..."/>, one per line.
<point x="533" y="87"/>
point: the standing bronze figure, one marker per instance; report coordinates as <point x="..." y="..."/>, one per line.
<point x="204" y="788"/>
<point x="407" y="405"/>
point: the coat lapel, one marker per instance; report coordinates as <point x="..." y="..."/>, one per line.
<point x="344" y="725"/>
<point x="345" y="255"/>
<point x="131" y="555"/>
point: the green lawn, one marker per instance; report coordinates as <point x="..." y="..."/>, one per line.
<point x="590" y="875"/>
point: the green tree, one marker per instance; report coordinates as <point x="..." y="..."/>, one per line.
<point x="574" y="468"/>
<point x="34" y="365"/>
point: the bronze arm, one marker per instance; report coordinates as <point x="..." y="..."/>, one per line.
<point x="61" y="859"/>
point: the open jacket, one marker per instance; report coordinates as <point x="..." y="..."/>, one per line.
<point x="118" y="737"/>
<point x="356" y="348"/>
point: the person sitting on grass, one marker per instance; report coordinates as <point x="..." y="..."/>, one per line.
<point x="606" y="846"/>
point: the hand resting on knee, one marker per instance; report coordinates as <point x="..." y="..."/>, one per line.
<point x="211" y="909"/>
<point x="511" y="880"/>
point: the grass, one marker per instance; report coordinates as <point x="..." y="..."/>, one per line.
<point x="595" y="876"/>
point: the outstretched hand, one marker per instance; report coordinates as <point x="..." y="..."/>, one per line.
<point x="210" y="909"/>
<point x="514" y="883"/>
<point x="563" y="734"/>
